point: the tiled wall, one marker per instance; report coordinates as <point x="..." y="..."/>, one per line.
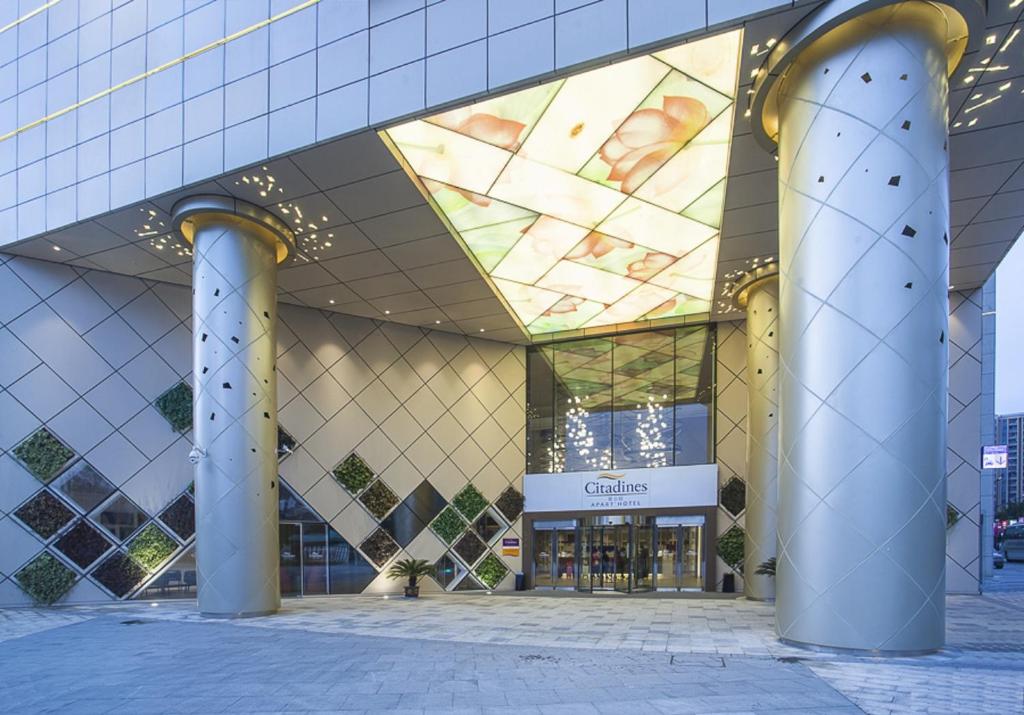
<point x="963" y="454"/>
<point x="86" y="353"/>
<point x="731" y="428"/>
<point x="333" y="67"/>
<point x="964" y="436"/>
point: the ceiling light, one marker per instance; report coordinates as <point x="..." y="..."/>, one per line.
<point x="581" y="211"/>
<point x="56" y="248"/>
<point x="437" y="322"/>
<point x="481" y="330"/>
<point x="332" y="301"/>
<point x="387" y="312"/>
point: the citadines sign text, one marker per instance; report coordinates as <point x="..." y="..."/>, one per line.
<point x="655" y="488"/>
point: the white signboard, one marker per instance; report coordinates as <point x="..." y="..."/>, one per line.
<point x="662" y="487"/>
<point x="993" y="456"/>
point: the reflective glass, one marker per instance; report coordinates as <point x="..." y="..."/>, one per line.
<point x="314" y="559"/>
<point x="178" y="580"/>
<point x="83" y="485"/>
<point x="644" y="393"/>
<point x="349" y="572"/>
<point x="120" y="517"/>
<point x="583" y="399"/>
<point x="633" y="400"/>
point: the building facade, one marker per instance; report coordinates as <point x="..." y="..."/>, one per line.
<point x="1009" y="481"/>
<point x="294" y="289"/>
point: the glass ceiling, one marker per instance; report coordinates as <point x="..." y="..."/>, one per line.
<point x="593" y="200"/>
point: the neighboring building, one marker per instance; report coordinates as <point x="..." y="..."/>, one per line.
<point x="1010" y="481"/>
<point x="585" y="291"/>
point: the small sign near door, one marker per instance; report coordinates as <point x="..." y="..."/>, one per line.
<point x="994" y="456"/>
<point x="510" y="547"/>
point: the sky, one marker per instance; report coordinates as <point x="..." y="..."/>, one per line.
<point x="1010" y="332"/>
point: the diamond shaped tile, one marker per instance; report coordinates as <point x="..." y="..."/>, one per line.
<point x="120" y="517"/>
<point x="175" y="405"/>
<point x="470" y="548"/>
<point x="734" y="496"/>
<point x="82" y="544"/>
<point x="378" y="499"/>
<point x="43" y="455"/>
<point x="353" y="473"/>
<point x="286" y="444"/>
<point x="83" y="486"/>
<point x="403" y="525"/>
<point x="45" y="514"/>
<point x="379" y="547"/>
<point x="119" y="574"/>
<point x="180" y="517"/>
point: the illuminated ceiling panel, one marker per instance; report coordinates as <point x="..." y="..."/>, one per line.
<point x="594" y="200"/>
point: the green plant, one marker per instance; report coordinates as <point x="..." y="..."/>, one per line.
<point x="952" y="516"/>
<point x="470" y="548"/>
<point x="469" y="501"/>
<point x="510" y="503"/>
<point x="448" y="525"/>
<point x="766" y="568"/>
<point x="410" y="569"/>
<point x="119" y="573"/>
<point x="151" y="547"/>
<point x="46" y="579"/>
<point x="734" y="496"/>
<point x="379" y="547"/>
<point x="378" y="499"/>
<point x="1013" y="510"/>
<point x="491" y="570"/>
<point x="353" y="473"/>
<point x="82" y="544"/>
<point x="45" y="514"/>
<point x="43" y="455"/>
<point x="176" y="406"/>
<point x="730" y="548"/>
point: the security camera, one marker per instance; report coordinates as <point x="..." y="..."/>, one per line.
<point x="196" y="454"/>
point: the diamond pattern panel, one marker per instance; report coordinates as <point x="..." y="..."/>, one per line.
<point x="332" y="361"/>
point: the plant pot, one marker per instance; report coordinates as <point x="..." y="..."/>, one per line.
<point x="412" y="591"/>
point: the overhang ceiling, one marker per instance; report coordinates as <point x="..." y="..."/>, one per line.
<point x="372" y="245"/>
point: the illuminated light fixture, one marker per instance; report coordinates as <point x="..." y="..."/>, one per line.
<point x="387" y="312"/>
<point x="990" y="40"/>
<point x="56" y="248"/>
<point x="593" y="200"/>
<point x="437" y="322"/>
<point x="1011" y="38"/>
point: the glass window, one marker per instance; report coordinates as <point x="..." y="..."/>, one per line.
<point x="349" y="571"/>
<point x="83" y="485"/>
<point x="694" y="396"/>
<point x="643" y="389"/>
<point x="583" y="401"/>
<point x="634" y="400"/>
<point x="120" y="517"/>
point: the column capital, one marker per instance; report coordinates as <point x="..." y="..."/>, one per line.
<point x="190" y="213"/>
<point x="751" y="281"/>
<point x="964" y="21"/>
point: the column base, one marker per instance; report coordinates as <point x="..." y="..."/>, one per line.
<point x="243" y="614"/>
<point x="859" y="651"/>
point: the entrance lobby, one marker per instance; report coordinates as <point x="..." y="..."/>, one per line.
<point x="626" y="553"/>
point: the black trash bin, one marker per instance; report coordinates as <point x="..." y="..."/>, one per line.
<point x="520" y="582"/>
<point x="729" y="583"/>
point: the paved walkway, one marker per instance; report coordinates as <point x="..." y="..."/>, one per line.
<point x="498" y="653"/>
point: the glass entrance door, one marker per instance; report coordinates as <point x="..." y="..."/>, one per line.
<point x="679" y="560"/>
<point x="605" y="551"/>
<point x="567" y="558"/>
<point x="542" y="539"/>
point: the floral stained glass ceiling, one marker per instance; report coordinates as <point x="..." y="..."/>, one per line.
<point x="594" y="200"/>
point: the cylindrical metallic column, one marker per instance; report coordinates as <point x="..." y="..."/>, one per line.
<point x="236" y="248"/>
<point x="863" y="157"/>
<point x="758" y="292"/>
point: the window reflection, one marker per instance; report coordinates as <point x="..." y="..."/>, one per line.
<point x="628" y="401"/>
<point x="177" y="581"/>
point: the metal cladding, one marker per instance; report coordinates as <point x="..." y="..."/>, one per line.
<point x="235" y="414"/>
<point x="864" y="261"/>
<point x="761" y="299"/>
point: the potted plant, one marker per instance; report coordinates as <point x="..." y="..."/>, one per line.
<point x="410" y="569"/>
